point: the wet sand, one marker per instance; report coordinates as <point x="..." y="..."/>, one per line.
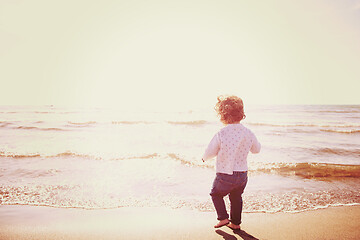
<point x="34" y="222"/>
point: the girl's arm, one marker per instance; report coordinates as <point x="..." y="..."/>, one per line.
<point x="212" y="149"/>
<point x="256" y="146"/>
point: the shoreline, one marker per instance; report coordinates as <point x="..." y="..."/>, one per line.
<point x="38" y="222"/>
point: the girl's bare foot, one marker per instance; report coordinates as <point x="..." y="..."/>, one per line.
<point x="233" y="226"/>
<point x="222" y="223"/>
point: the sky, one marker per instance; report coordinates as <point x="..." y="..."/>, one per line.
<point x="156" y="54"/>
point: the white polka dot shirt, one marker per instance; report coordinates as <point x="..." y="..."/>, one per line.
<point x="231" y="146"/>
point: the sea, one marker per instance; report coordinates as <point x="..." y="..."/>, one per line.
<point x="105" y="158"/>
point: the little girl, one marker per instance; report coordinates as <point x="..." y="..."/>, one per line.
<point x="231" y="146"/>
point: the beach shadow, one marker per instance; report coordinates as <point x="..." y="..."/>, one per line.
<point x="244" y="235"/>
<point x="225" y="235"/>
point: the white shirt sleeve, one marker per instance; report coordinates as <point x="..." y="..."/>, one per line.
<point x="256" y="146"/>
<point x="213" y="148"/>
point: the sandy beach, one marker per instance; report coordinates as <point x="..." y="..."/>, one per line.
<point x="34" y="222"/>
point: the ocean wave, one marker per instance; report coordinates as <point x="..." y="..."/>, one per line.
<point x="5" y="124"/>
<point x="318" y="171"/>
<point x="300" y="201"/>
<point x="190" y="163"/>
<point x="280" y="125"/>
<point x="350" y="131"/>
<point x="334" y="151"/>
<point x="340" y="111"/>
<point x="311" y="128"/>
<point x="313" y="170"/>
<point x="70" y="154"/>
<point x="32" y="174"/>
<point x="304" y="170"/>
<point x="11" y="112"/>
<point x="87" y="156"/>
<point x="145" y="156"/>
<point x="194" y="123"/>
<point x="38" y="155"/>
<point x="304" y="125"/>
<point x="39" y="128"/>
<point x="81" y="124"/>
<point x="43" y="112"/>
<point x="13" y="155"/>
<point x="130" y="122"/>
<point x="72" y="196"/>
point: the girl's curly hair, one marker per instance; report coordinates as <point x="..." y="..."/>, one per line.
<point x="230" y="109"/>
